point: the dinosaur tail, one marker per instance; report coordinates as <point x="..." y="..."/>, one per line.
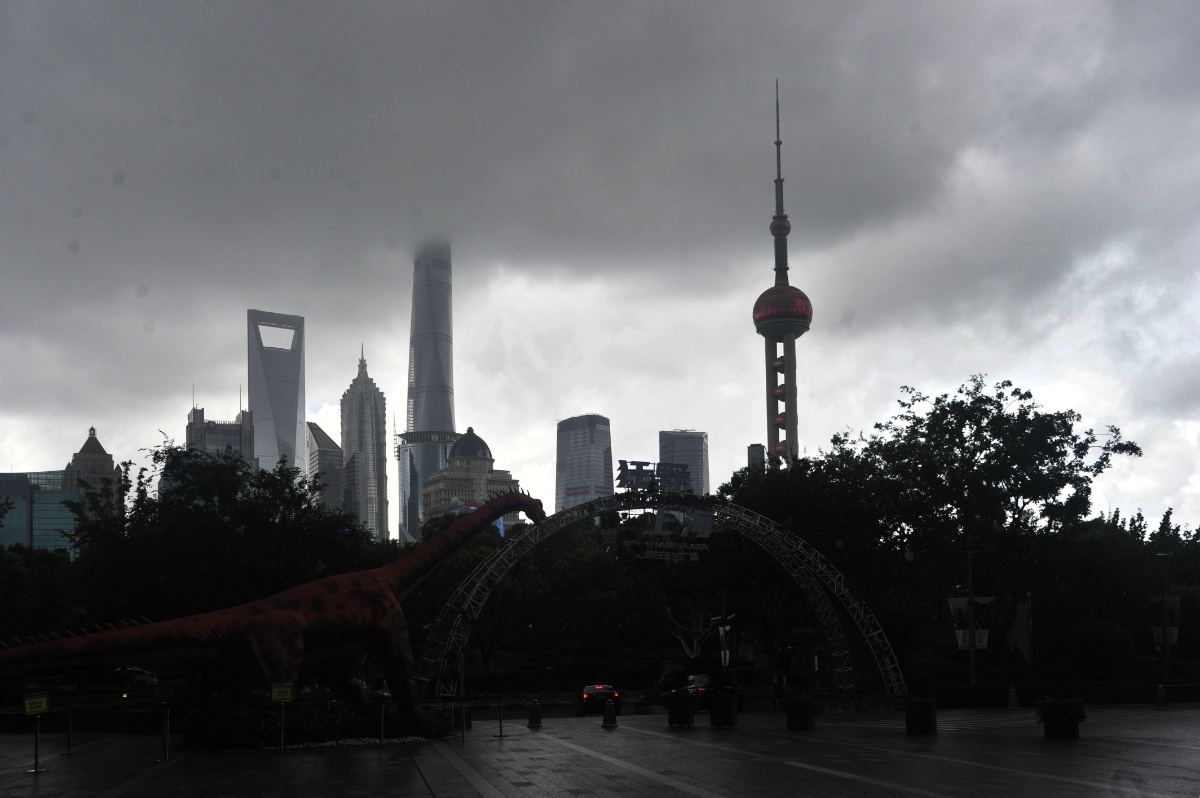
<point x="408" y="571"/>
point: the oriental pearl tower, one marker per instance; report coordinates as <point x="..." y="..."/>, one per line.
<point x="782" y="314"/>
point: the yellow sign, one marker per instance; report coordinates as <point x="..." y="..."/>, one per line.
<point x="36" y="704"/>
<point x="281" y="692"/>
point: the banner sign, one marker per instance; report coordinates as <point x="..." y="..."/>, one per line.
<point x="959" y="616"/>
<point x="638" y="475"/>
<point x="36" y="704"/>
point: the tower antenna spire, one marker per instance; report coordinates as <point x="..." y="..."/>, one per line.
<point x="780" y="226"/>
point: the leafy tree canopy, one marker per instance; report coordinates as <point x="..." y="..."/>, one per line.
<point x="217" y="532"/>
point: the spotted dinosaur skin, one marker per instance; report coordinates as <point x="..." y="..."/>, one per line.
<point x="342" y="617"/>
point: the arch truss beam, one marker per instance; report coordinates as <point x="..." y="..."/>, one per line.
<point x="436" y="667"/>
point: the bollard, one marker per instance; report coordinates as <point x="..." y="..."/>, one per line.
<point x="1012" y="698"/>
<point x="1160" y="697"/>
<point x="610" y="715"/>
<point x="535" y="715"/>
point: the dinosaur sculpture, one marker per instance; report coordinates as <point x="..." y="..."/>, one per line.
<point x="344" y="617"/>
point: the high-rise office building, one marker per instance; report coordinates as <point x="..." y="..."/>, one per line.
<point x="583" y="466"/>
<point x="276" y="377"/>
<point x="325" y="464"/>
<point x="38" y="516"/>
<point x="217" y="437"/>
<point x="782" y="314"/>
<point x="429" y="431"/>
<point x="364" y="437"/>
<point x="687" y="447"/>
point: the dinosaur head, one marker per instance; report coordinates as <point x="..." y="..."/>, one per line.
<point x="534" y="510"/>
<point x="523" y="502"/>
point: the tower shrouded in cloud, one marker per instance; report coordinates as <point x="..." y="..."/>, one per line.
<point x="429" y="430"/>
<point x="276" y="375"/>
<point x="782" y="314"/>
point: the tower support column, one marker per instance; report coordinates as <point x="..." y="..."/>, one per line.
<point x="791" y="404"/>
<point x="772" y="373"/>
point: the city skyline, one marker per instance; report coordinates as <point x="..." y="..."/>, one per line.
<point x="1004" y="189"/>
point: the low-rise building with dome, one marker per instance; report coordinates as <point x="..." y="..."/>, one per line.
<point x="467" y="481"/>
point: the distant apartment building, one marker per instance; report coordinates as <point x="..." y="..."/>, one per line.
<point x="364" y="438"/>
<point x="275" y="365"/>
<point x="686" y="447"/>
<point x="325" y="465"/>
<point x="583" y="464"/>
<point x="467" y="480"/>
<point x="218" y="437"/>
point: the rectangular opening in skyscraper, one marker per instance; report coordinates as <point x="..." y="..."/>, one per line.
<point x="276" y="337"/>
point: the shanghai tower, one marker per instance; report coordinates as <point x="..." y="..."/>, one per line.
<point x="429" y="430"/>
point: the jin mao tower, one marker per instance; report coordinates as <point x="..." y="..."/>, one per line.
<point x="429" y="431"/>
<point x="364" y="440"/>
<point x="782" y="314"/>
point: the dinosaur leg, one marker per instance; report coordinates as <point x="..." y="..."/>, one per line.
<point x="396" y="661"/>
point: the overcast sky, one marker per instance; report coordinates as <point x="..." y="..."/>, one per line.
<point x="1003" y="188"/>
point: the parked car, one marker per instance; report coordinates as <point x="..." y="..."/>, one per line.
<point x="703" y="687"/>
<point x="136" y="677"/>
<point x="594" y="697"/>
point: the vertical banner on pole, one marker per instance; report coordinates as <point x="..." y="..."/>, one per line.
<point x="983" y="621"/>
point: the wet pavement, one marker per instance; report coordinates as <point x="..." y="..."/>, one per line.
<point x="1129" y="751"/>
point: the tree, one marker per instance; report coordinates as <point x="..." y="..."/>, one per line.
<point x="217" y="533"/>
<point x="983" y="469"/>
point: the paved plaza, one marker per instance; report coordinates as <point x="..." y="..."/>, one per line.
<point x="1123" y="751"/>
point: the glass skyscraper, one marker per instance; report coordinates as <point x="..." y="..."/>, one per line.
<point x="275" y="360"/>
<point x="429" y="431"/>
<point x="364" y="437"/>
<point x="686" y="447"/>
<point x="583" y="467"/>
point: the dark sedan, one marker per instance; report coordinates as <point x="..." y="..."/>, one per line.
<point x="594" y="697"/>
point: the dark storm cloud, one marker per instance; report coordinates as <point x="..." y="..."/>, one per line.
<point x="1014" y="166"/>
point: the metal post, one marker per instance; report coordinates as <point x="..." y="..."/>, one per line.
<point x="501" y="734"/>
<point x="971" y="611"/>
<point x="70" y="727"/>
<point x="1166" y="643"/>
<point x="166" y="735"/>
<point x="382" y="709"/>
<point x="281" y="706"/>
<point x="37" y="740"/>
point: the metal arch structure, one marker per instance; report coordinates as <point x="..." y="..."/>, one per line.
<point x="435" y="670"/>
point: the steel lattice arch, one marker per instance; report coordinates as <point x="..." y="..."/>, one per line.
<point x="435" y="669"/>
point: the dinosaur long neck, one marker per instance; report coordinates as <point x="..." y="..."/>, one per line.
<point x="408" y="571"/>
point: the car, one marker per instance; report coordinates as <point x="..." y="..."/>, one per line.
<point x="703" y="687"/>
<point x="594" y="697"/>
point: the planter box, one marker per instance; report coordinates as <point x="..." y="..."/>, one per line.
<point x="722" y="711"/>
<point x="1061" y="729"/>
<point x="681" y="711"/>
<point x="801" y="720"/>
<point x="920" y="717"/>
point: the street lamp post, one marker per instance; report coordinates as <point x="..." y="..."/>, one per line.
<point x="971" y="610"/>
<point x="1166" y="642"/>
